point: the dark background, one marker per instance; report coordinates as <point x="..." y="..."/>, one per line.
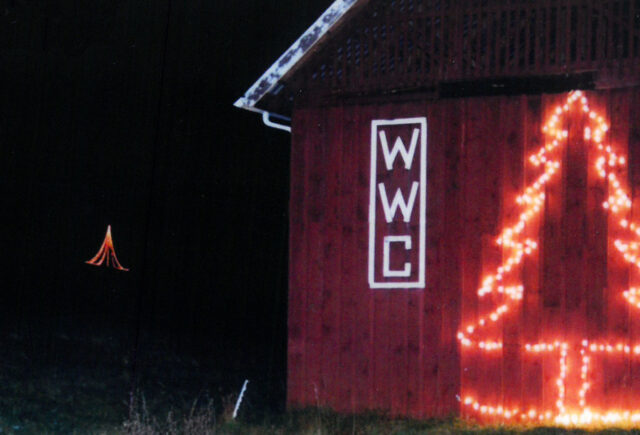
<point x="120" y="112"/>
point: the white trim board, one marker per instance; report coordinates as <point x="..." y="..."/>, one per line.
<point x="292" y="56"/>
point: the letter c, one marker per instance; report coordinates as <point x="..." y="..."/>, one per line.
<point x="386" y="270"/>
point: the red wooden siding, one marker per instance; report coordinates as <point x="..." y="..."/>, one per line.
<point x="353" y="348"/>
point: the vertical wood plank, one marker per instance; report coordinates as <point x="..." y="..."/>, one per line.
<point x="547" y="34"/>
<point x="633" y="32"/>
<point x="585" y="42"/>
<point x="469" y="269"/>
<point x="556" y="12"/>
<point x="411" y="392"/>
<point x="574" y="179"/>
<point x="366" y="71"/>
<point x="538" y="44"/>
<point x="316" y="194"/>
<point x="451" y="261"/>
<point x="567" y="33"/>
<point x="616" y="373"/>
<point x="490" y="364"/>
<point x="596" y="260"/>
<point x="592" y="28"/>
<point x="529" y="13"/>
<point x="336" y="62"/>
<point x="502" y="62"/>
<point x="609" y="49"/>
<point x="432" y="52"/>
<point x="634" y="273"/>
<point x="513" y="127"/>
<point x="553" y="285"/>
<point x="472" y="361"/>
<point x="483" y="43"/>
<point x="363" y="338"/>
<point x="581" y="30"/>
<point x="454" y="41"/>
<point x="438" y="47"/>
<point x="403" y="68"/>
<point x="297" y="262"/>
<point x="397" y="357"/>
<point x="369" y="113"/>
<point x="598" y="28"/>
<point x="415" y="354"/>
<point x="475" y="44"/>
<point x="381" y="324"/>
<point x="332" y="258"/>
<point x="491" y="43"/>
<point x="532" y="298"/>
<point x="431" y="308"/>
<point x="511" y="40"/>
<point x="486" y="172"/>
<point x="350" y="385"/>
<point x="415" y="299"/>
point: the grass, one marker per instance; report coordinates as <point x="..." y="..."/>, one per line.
<point x="204" y="417"/>
<point x="80" y="385"/>
<point x="322" y="421"/>
<point x="63" y="383"/>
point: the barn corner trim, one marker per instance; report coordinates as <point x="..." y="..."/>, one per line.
<point x="308" y="40"/>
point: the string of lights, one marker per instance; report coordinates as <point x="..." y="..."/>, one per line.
<point x="516" y="247"/>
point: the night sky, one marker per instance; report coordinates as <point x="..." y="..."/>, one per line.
<point x="120" y="112"/>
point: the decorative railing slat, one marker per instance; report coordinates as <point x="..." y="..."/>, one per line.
<point x="420" y="43"/>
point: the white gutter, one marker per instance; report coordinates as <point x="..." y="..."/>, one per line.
<point x="266" y="118"/>
<point x="269" y="123"/>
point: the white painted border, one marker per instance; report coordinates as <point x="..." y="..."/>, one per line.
<point x="423" y="204"/>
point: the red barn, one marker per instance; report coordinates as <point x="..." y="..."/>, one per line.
<point x="465" y="208"/>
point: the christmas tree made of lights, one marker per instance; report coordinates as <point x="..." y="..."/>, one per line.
<point x="516" y="246"/>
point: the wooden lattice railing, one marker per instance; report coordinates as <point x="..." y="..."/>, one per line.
<point x="407" y="44"/>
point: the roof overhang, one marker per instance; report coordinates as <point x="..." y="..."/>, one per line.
<point x="270" y="82"/>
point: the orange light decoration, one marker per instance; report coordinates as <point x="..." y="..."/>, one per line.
<point x="106" y="254"/>
<point x="516" y="247"/>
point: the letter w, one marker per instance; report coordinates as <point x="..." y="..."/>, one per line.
<point x="398" y="147"/>
<point x="398" y="201"/>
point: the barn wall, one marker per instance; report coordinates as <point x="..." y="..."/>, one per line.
<point x="353" y="348"/>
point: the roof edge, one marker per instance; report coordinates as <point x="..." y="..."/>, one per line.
<point x="292" y="56"/>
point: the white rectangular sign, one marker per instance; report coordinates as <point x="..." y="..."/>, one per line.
<point x="398" y="203"/>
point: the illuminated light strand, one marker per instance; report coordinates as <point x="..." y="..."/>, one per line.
<point x="490" y="410"/>
<point x="532" y="200"/>
<point x="584" y="375"/>
<point x="563" y="415"/>
<point x="560" y="381"/>
<point x="106" y="254"/>
<point x="633" y="297"/>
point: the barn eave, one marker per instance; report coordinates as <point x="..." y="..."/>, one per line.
<point x="256" y="98"/>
